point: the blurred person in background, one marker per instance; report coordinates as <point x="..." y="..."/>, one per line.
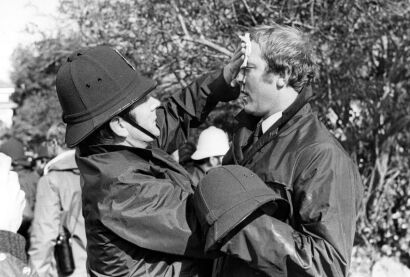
<point x="212" y="145"/>
<point x="40" y="159"/>
<point x="28" y="179"/>
<point x="13" y="258"/>
<point x="58" y="209"/>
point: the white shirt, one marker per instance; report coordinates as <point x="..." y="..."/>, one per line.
<point x="268" y="122"/>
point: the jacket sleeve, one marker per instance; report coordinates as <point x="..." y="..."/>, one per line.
<point x="152" y="213"/>
<point x="45" y="227"/>
<point x="326" y="199"/>
<point x="190" y="107"/>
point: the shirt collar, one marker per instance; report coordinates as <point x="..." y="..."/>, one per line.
<point x="268" y="122"/>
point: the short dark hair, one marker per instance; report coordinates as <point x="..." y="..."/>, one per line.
<point x="104" y="134"/>
<point x="287" y="49"/>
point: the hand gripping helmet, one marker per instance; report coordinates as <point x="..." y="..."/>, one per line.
<point x="229" y="194"/>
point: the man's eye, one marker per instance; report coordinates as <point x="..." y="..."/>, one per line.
<point x="143" y="99"/>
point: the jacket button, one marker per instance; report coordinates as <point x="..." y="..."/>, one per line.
<point x="2" y="256"/>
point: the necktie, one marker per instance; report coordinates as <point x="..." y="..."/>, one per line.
<point x="258" y="132"/>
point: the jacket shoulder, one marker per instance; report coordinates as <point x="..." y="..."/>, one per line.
<point x="312" y="133"/>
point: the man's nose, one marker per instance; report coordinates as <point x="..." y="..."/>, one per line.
<point x="240" y="77"/>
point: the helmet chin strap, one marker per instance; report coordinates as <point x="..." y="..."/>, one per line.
<point x="131" y="121"/>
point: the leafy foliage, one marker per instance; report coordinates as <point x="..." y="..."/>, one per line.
<point x="35" y="69"/>
<point x="362" y="89"/>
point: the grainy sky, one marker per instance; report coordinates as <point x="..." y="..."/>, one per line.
<point x="15" y="16"/>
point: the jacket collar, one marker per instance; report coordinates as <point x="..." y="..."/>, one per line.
<point x="107" y="148"/>
<point x="243" y="148"/>
<point x="62" y="162"/>
<point x="151" y="154"/>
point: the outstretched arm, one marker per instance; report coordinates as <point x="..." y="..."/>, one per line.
<point x="193" y="104"/>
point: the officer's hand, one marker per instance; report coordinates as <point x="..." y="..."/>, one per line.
<point x="185" y="152"/>
<point x="12" y="198"/>
<point x="233" y="67"/>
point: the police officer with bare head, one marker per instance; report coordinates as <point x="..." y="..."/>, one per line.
<point x="136" y="198"/>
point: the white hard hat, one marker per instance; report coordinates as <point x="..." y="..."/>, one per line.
<point x="212" y="142"/>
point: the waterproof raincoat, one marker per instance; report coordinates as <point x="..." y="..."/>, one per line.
<point x="58" y="204"/>
<point x="196" y="172"/>
<point x="136" y="202"/>
<point x="299" y="156"/>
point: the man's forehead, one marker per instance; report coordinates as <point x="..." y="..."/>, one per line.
<point x="255" y="54"/>
<point x="255" y="47"/>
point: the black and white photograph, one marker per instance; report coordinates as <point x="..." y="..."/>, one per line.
<point x="212" y="138"/>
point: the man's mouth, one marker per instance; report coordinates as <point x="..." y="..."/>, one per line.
<point x="244" y="97"/>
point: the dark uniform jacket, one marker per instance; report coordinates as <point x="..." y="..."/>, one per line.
<point x="136" y="202"/>
<point x="298" y="156"/>
<point x="196" y="172"/>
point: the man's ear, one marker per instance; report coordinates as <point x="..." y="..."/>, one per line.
<point x="280" y="83"/>
<point x="283" y="79"/>
<point x="118" y="127"/>
<point x="213" y="161"/>
<point x="54" y="142"/>
<point x="52" y="147"/>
